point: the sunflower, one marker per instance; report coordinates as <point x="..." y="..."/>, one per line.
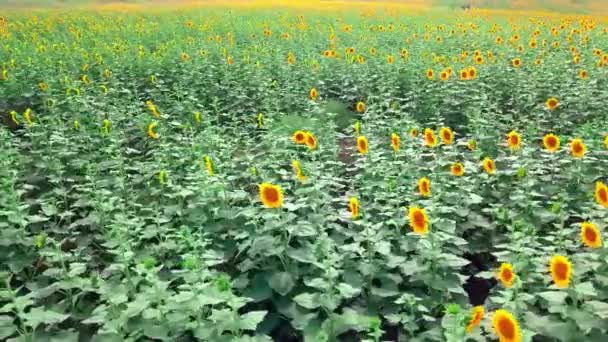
<point x="313" y="94"/>
<point x="583" y="74"/>
<point x="498" y="40"/>
<point x="271" y="195"/>
<point x="151" y="133"/>
<point x="390" y="59"/>
<point x="551" y="142"/>
<point x="476" y="317"/>
<point x="506" y="326"/>
<point x="464" y="74"/>
<point x="561" y="270"/>
<point x="297" y="170"/>
<point x="606" y="141"/>
<point x="299" y="137"/>
<point x="505" y="274"/>
<point x="538" y="61"/>
<point x="552" y="103"/>
<point x="291" y="59"/>
<point x="229" y="60"/>
<point x="362" y="145"/>
<point x="601" y="194"/>
<point x="472" y="73"/>
<point x="590" y="235"/>
<point x="311" y="141"/>
<point x="447" y="136"/>
<point x="419" y="221"/>
<point x="578" y="148"/>
<point x="184" y="57"/>
<point x="353" y="205"/>
<point x="360" y="107"/>
<point x="209" y="165"/>
<point x="429" y="138"/>
<point x="516" y="62"/>
<point x="357" y="127"/>
<point x="430" y="74"/>
<point x="424" y="187"/>
<point x="444" y="75"/>
<point x="489" y="166"/>
<point x="472" y="145"/>
<point x="395" y="142"/>
<point x="457" y="169"/>
<point x="414" y="133"/>
<point x="514" y="140"/>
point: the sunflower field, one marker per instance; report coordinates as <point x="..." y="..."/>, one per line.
<point x="335" y="171"/>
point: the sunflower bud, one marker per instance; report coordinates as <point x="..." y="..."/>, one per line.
<point x="162" y="177"/>
<point x="76" y="125"/>
<point x="105" y="127"/>
<point x="27" y="116"/>
<point x="197" y="117"/>
<point x="13" y="115"/>
<point x="260" y="120"/>
<point x="209" y="165"/>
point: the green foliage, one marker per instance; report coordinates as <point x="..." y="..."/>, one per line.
<point x="109" y="232"/>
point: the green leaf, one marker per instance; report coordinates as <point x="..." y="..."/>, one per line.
<point x="7" y="327"/>
<point x="598" y="308"/>
<point x="585" y="289"/>
<point x="554" y="297"/>
<point x="38" y="316"/>
<point x="281" y="282"/>
<point x="250" y="320"/>
<point x="307" y="300"/>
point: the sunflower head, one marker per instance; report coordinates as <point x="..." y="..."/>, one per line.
<point x="578" y="148"/>
<point x="561" y="270"/>
<point x="583" y="74"/>
<point x="430" y="74"/>
<point x="151" y="133"/>
<point x="447" y="136"/>
<point x="424" y="187"/>
<point x="395" y="142"/>
<point x="419" y="221"/>
<point x="506" y="326"/>
<point x="601" y="194"/>
<point x="313" y="94"/>
<point x="353" y="206"/>
<point x="271" y="195"/>
<point x="362" y="145"/>
<point x="464" y="74"/>
<point x="414" y="133"/>
<point x="516" y="62"/>
<point x="457" y="169"/>
<point x="444" y="75"/>
<point x="606" y="142"/>
<point x="299" y="137"/>
<point x="590" y="235"/>
<point x="506" y="274"/>
<point x="476" y="317"/>
<point x="311" y="141"/>
<point x="472" y="72"/>
<point x="552" y="103"/>
<point x="489" y="166"/>
<point x="429" y="138"/>
<point x="390" y="59"/>
<point x="514" y="140"/>
<point x="551" y="142"/>
<point x="360" y="107"/>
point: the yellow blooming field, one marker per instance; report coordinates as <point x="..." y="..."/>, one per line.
<point x="304" y="171"/>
